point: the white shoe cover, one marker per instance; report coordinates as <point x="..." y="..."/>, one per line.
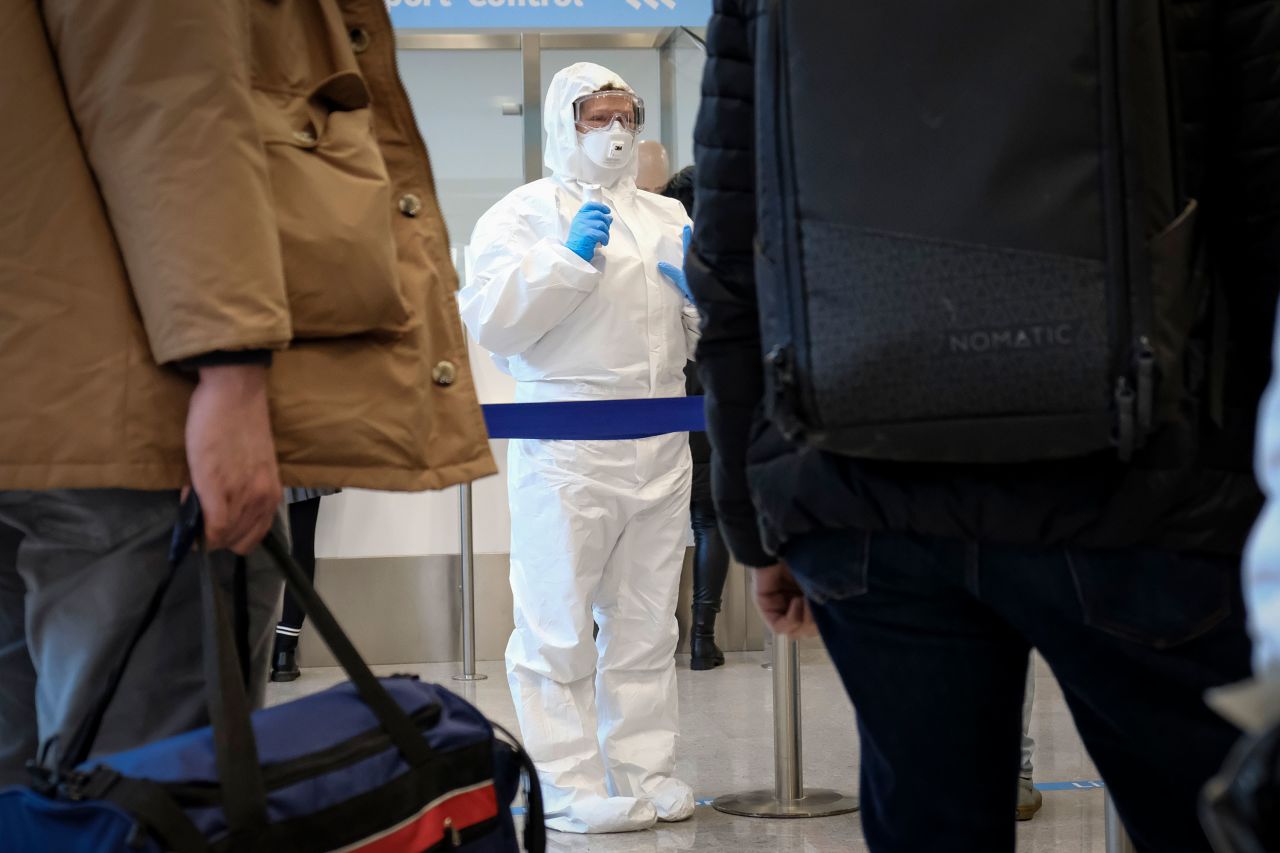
<point x="673" y="800"/>
<point x="605" y="814"/>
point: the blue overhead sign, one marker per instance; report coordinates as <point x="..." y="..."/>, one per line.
<point x="547" y="14"/>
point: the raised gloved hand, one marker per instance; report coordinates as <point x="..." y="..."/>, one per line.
<point x="590" y="229"/>
<point x="676" y="274"/>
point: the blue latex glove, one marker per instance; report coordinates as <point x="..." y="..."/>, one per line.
<point x="590" y="228"/>
<point x="676" y="274"/>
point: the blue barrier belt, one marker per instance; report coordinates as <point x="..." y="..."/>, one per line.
<point x="598" y="420"/>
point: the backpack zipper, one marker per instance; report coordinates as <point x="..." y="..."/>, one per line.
<point x="1125" y="433"/>
<point x="797" y="410"/>
<point x="781" y="364"/>
<point x="1135" y="356"/>
<point x="1125" y="303"/>
<point x="1146" y="388"/>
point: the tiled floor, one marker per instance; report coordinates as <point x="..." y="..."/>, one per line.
<point x="727" y="746"/>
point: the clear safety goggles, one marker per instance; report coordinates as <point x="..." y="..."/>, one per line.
<point x="600" y="110"/>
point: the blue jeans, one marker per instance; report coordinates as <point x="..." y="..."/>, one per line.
<point x="77" y="569"/>
<point x="931" y="640"/>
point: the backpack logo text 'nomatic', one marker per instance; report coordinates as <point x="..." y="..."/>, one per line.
<point x="1011" y="338"/>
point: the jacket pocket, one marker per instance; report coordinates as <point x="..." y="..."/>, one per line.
<point x="333" y="197"/>
<point x="1156" y="598"/>
<point x="830" y="565"/>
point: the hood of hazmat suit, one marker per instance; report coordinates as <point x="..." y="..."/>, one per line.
<point x="563" y="153"/>
<point x="565" y="328"/>
<point x="598" y="528"/>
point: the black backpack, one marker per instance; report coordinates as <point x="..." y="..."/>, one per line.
<point x="975" y="243"/>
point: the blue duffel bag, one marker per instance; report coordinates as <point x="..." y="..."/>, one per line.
<point x="388" y="765"/>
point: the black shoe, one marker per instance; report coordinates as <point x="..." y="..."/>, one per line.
<point x="284" y="665"/>
<point x="702" y="641"/>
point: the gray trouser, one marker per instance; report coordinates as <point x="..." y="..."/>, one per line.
<point x="77" y="569"/>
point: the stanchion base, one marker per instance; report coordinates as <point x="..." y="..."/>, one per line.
<point x="816" y="802"/>
<point x="476" y="677"/>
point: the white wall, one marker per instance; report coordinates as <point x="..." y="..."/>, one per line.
<point x="689" y="61"/>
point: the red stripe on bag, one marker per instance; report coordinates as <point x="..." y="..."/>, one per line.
<point x="427" y="828"/>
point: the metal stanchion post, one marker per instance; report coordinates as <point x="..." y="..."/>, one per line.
<point x="788" y="797"/>
<point x="468" y="589"/>
<point x="788" y="743"/>
<point x="1117" y="839"/>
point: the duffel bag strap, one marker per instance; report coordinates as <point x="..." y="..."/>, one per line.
<point x="240" y="584"/>
<point x="239" y="771"/>
<point x="244" y="795"/>
<point x="158" y="813"/>
<point x="406" y="736"/>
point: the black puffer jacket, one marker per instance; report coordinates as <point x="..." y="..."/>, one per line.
<point x="767" y="491"/>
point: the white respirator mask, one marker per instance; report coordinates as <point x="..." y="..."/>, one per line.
<point x="611" y="147"/>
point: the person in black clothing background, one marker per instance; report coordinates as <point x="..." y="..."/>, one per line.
<point x="710" y="554"/>
<point x="304" y="510"/>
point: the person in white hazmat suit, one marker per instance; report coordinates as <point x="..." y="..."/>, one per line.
<point x="575" y="285"/>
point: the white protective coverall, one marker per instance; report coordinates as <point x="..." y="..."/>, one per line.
<point x="1262" y="556"/>
<point x="598" y="528"/>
